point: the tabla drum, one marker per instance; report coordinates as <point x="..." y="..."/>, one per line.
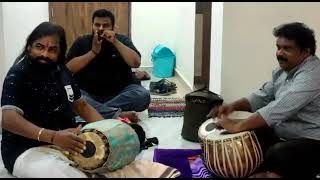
<point x="110" y="145"/>
<point x="229" y="155"/>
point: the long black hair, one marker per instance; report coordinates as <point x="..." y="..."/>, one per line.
<point x="42" y="30"/>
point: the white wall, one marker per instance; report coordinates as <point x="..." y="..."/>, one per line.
<point x="19" y="19"/>
<point x="185" y="42"/>
<point x="2" y="55"/>
<point x="152" y="23"/>
<point x="216" y="47"/>
<point x="248" y="46"/>
<point x="167" y="23"/>
<point x="2" y="60"/>
<point x="242" y="49"/>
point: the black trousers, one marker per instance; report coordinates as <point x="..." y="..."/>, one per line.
<point x="291" y="158"/>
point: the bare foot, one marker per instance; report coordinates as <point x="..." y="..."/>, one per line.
<point x="142" y="75"/>
<point x="272" y="175"/>
<point x="265" y="175"/>
<point x="131" y="115"/>
<point x="258" y="175"/>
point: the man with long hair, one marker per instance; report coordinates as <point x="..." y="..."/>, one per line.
<point x="38" y="102"/>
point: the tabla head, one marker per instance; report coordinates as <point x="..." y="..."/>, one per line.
<point x="229" y="155"/>
<point x="210" y="129"/>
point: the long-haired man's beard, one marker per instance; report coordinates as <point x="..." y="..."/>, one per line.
<point x="46" y="65"/>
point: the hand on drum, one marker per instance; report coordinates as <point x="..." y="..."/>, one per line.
<point x="226" y="123"/>
<point x="217" y="111"/>
<point x="68" y="140"/>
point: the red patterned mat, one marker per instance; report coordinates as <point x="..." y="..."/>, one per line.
<point x="166" y="107"/>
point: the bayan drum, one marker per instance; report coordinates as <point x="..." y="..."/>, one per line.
<point x="229" y="155"/>
<point x="198" y="105"/>
<point x="111" y="144"/>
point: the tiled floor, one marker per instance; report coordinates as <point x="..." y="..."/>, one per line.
<point x="182" y="87"/>
<point x="167" y="130"/>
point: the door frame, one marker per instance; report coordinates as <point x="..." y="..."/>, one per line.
<point x="205" y="8"/>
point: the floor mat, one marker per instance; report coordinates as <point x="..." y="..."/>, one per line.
<point x="166" y="107"/>
<point x="181" y="159"/>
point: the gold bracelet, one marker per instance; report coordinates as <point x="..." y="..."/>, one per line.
<point x="52" y="137"/>
<point x="39" y="133"/>
<point x="94" y="52"/>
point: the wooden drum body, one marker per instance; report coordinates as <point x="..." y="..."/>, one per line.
<point x="229" y="155"/>
<point x="111" y="144"/>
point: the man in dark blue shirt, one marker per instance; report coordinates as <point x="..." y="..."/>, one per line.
<point x="39" y="99"/>
<point x="101" y="63"/>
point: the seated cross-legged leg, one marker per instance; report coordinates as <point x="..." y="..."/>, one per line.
<point x="106" y="111"/>
<point x="134" y="98"/>
<point x="294" y="158"/>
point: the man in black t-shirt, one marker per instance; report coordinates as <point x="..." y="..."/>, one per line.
<point x="101" y="63"/>
<point x="38" y="101"/>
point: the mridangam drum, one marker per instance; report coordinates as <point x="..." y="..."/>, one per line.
<point x="111" y="144"/>
<point x="229" y="155"/>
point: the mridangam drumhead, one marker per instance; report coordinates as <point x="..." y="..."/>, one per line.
<point x="110" y="145"/>
<point x="97" y="150"/>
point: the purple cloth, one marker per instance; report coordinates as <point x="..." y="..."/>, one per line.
<point x="176" y="158"/>
<point x="199" y="170"/>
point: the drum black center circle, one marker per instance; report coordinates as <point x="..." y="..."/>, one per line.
<point x="90" y="150"/>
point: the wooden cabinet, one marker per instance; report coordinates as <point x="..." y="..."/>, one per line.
<point x="76" y="17"/>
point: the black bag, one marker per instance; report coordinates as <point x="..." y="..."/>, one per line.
<point x="145" y="143"/>
<point x="198" y="105"/>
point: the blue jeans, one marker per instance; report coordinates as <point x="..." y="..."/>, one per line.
<point x="132" y="98"/>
